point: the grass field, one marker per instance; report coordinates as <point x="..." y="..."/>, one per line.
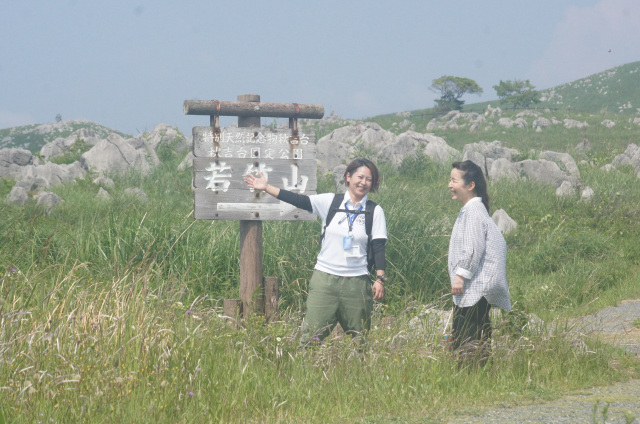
<point x="111" y="310"/>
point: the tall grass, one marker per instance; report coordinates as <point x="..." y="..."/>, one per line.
<point x="121" y="351"/>
<point x="111" y="310"/>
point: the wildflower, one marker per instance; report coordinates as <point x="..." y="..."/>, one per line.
<point x="278" y="339"/>
<point x="191" y="394"/>
<point x="189" y="312"/>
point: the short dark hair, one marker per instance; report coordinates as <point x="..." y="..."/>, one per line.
<point x="472" y="172"/>
<point x="357" y="163"/>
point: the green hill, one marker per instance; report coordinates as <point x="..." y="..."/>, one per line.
<point x="33" y="137"/>
<point x="614" y="90"/>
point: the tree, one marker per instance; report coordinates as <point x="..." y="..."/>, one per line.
<point x="520" y="94"/>
<point x="451" y="89"/>
<point x="58" y="118"/>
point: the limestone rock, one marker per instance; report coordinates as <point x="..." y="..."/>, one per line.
<point x="137" y="193"/>
<point x="564" y="160"/>
<point x="544" y="171"/>
<point x="565" y="189"/>
<point x="505" y="223"/>
<point x="608" y="123"/>
<point x="13" y="160"/>
<point x="48" y="201"/>
<point x="115" y="155"/>
<point x="502" y="168"/>
<point x="18" y="196"/>
<point x="587" y="193"/>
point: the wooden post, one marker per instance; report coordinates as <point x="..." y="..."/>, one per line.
<point x="244" y="119"/>
<point x="251" y="288"/>
<point x="271" y="297"/>
<point x="251" y="291"/>
<point x="233" y="309"/>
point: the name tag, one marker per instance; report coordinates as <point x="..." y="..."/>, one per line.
<point x="354" y="252"/>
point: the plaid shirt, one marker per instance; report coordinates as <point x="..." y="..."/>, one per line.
<point x="478" y="252"/>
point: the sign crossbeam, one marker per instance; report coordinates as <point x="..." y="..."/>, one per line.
<point x="252" y="109"/>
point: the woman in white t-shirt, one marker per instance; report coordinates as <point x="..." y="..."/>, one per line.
<point x="340" y="290"/>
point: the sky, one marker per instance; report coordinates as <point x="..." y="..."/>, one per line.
<point x="131" y="64"/>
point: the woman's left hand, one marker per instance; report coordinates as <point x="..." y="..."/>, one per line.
<point x="457" y="287"/>
<point x="378" y="290"/>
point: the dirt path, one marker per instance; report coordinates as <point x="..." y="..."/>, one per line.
<point x="615" y="326"/>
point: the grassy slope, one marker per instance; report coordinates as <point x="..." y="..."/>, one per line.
<point x="219" y="275"/>
<point x="110" y="309"/>
<point x="614" y="90"/>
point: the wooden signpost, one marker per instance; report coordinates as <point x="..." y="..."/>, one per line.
<point x="222" y="157"/>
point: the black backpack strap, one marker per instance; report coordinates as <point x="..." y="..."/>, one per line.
<point x="368" y="217"/>
<point x="335" y="205"/>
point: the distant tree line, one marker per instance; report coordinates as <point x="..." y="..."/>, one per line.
<point x="516" y="93"/>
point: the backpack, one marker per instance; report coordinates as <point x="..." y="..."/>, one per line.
<point x="368" y="223"/>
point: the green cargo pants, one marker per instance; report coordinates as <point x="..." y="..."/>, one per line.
<point x="333" y="299"/>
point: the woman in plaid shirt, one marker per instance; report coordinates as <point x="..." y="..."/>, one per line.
<point x="477" y="263"/>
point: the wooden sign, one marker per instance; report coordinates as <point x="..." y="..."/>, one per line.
<point x="224" y="157"/>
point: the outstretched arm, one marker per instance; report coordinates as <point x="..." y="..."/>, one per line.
<point x="260" y="183"/>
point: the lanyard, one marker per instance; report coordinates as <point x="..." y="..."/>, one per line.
<point x="351" y="217"/>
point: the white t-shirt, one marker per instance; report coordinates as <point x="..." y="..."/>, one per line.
<point x="332" y="258"/>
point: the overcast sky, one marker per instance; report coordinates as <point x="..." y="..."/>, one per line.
<point x="130" y="65"/>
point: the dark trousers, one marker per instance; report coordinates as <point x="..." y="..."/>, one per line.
<point x="471" y="330"/>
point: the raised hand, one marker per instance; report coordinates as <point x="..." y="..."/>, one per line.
<point x="257" y="183"/>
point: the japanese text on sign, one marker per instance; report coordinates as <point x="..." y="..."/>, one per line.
<point x="223" y="158"/>
<point x="247" y="137"/>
